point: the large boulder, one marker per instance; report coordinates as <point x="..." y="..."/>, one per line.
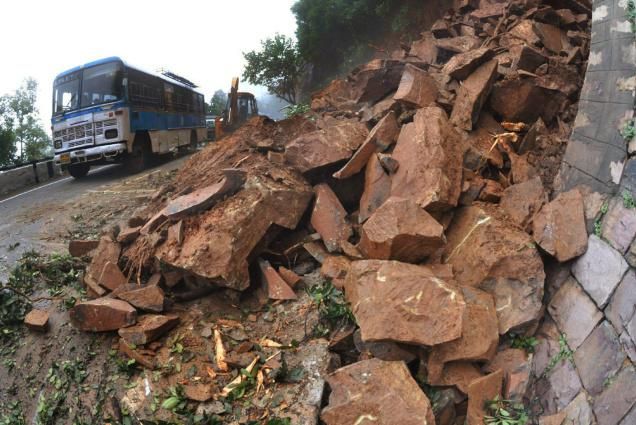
<point x="329" y="218"/>
<point x="472" y="95"/>
<point x="376" y="391"/>
<point x="377" y="188"/>
<point x="491" y="253"/>
<point x="404" y="303"/>
<point x="400" y="230"/>
<point x="430" y="156"/>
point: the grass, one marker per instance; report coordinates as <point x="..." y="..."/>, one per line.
<point x="628" y="200"/>
<point x="11" y="414"/>
<point x="293" y="110"/>
<point x="598" y="222"/>
<point x="527" y="343"/>
<point x="505" y="412"/>
<point x="564" y="353"/>
<point x="333" y="309"/>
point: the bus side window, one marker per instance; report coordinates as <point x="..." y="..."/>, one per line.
<point x="168" y="97"/>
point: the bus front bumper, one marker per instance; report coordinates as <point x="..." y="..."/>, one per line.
<point x="90" y="154"/>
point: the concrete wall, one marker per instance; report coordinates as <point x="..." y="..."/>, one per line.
<point x="22" y="177"/>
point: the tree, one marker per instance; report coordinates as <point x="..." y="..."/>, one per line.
<point x="277" y="66"/>
<point x="217" y="103"/>
<point x="20" y="126"/>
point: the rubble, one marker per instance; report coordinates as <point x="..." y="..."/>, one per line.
<point x="275" y="287"/>
<point x="480" y="391"/>
<point x="111" y="277"/>
<point x="38" y="320"/>
<point x="472" y="95"/>
<point x="377" y="188"/>
<point x="522" y="201"/>
<point x="417" y="88"/>
<point x="102" y="314"/>
<point x="375" y="390"/>
<point x="148" y="328"/>
<point x="80" y="248"/>
<point x="329" y="218"/>
<point x="147" y="298"/>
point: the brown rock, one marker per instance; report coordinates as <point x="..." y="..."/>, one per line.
<point x="379" y="110"/>
<point x="291" y="278"/>
<point x="107" y="251"/>
<point x="377" y="188"/>
<point x="102" y="314"/>
<point x="417" y="88"/>
<point x="128" y="234"/>
<point x="147" y="298"/>
<point x="219" y="247"/>
<point x="274" y="285"/>
<point x="412" y="296"/>
<point x="492" y="254"/>
<point x="433" y="183"/>
<point x="176" y="233"/>
<point x="480" y="150"/>
<point x="385" y="350"/>
<point x="199" y="392"/>
<point x="205" y="198"/>
<point x="316" y="250"/>
<point x="480" y="391"/>
<point x="491" y="192"/>
<point x="329" y="218"/>
<point x="473" y="94"/>
<point x="149" y="327"/>
<point x="521" y="202"/>
<point x="441" y="29"/>
<point x="374" y="80"/>
<point x="376" y="391"/>
<point x="488" y="10"/>
<point x="389" y="164"/>
<point x="111" y="277"/>
<point x="80" y="248"/>
<point x="425" y="49"/>
<point x="383" y="135"/>
<point x="400" y="230"/>
<point x="145" y="358"/>
<point x="336" y="268"/>
<point x="155" y="279"/>
<point x="516" y="100"/>
<point x="460" y="374"/>
<point x="559" y="228"/>
<point x="480" y="334"/>
<point x="462" y="65"/>
<point x="459" y="44"/>
<point x="37" y="320"/>
<point x="517" y="366"/>
<point x="525" y="31"/>
<point x="553" y="38"/>
<point x="320" y="148"/>
<point x="276" y="157"/>
<point x="337" y="95"/>
<point x="520" y="169"/>
<point x="171" y="279"/>
<point x="154" y="223"/>
<point x="526" y="58"/>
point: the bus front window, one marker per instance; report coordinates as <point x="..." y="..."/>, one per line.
<point x="66" y="93"/>
<point x="102" y="84"/>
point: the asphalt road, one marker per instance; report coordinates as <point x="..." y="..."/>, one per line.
<point x="21" y="231"/>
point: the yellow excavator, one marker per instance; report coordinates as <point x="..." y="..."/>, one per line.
<point x="240" y="107"/>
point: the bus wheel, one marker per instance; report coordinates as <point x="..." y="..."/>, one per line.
<point x="79" y="171"/>
<point x="139" y="158"/>
<point x="193" y="140"/>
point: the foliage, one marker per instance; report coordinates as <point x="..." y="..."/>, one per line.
<point x="293" y="110"/>
<point x="629" y="131"/>
<point x="176" y="400"/>
<point x="245" y="386"/>
<point x="599" y="219"/>
<point x="631" y="14"/>
<point x="12" y="414"/>
<point x="505" y="412"/>
<point x="527" y="343"/>
<point x="334" y="35"/>
<point x="333" y="309"/>
<point x="276" y="66"/>
<point x="628" y="200"/>
<point x="61" y="376"/>
<point x="20" y="126"/>
<point x="217" y="103"/>
<point x="564" y="353"/>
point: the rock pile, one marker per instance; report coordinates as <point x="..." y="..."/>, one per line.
<point x="420" y="184"/>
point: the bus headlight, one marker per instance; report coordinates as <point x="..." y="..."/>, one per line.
<point x="57" y="144"/>
<point x="111" y="133"/>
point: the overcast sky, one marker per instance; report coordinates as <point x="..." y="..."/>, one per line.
<point x="201" y="40"/>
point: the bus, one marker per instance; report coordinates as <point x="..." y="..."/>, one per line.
<point x="109" y="111"/>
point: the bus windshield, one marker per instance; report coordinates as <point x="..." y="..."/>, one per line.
<point x="99" y="84"/>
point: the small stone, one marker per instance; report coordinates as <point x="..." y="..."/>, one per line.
<point x="619" y="225"/>
<point x="37" y="320"/>
<point x="559" y="227"/>
<point x="526" y="58"/>
<point x="199" y="392"/>
<point x="149" y="327"/>
<point x="517" y="367"/>
<point x="480" y="391"/>
<point x="599" y="358"/>
<point x="574" y="312"/>
<point x="412" y="296"/>
<point x="617" y="399"/>
<point x="102" y="314"/>
<point x="472" y="95"/>
<point x="599" y="270"/>
<point x="206" y="198"/>
<point x="112" y="277"/>
<point x="147" y="298"/>
<point x="329" y="218"/>
<point x="389" y="164"/>
<point x="336" y="268"/>
<point x="289" y="276"/>
<point x="128" y="234"/>
<point x="145" y="358"/>
<point x="522" y="201"/>
<point x="462" y="65"/>
<point x="461" y="44"/>
<point x="400" y="230"/>
<point x="176" y="233"/>
<point x="417" y="88"/>
<point x="375" y="390"/>
<point x="106" y="251"/>
<point x="491" y="192"/>
<point x="274" y="285"/>
<point x="80" y="248"/>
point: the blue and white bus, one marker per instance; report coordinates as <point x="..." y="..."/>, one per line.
<point x="107" y="111"/>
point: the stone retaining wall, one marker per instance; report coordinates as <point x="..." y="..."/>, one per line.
<point x="590" y="325"/>
<point x="28" y="175"/>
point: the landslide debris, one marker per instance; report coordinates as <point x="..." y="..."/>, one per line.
<point x="419" y="186"/>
